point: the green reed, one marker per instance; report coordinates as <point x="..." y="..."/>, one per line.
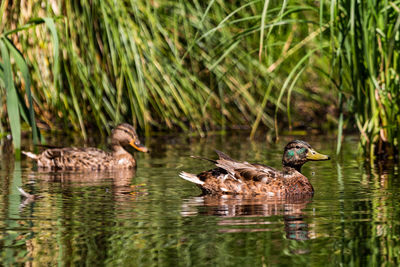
<point x="171" y="65"/>
<point x="14" y="73"/>
<point x="366" y="40"/>
<point x="203" y="66"/>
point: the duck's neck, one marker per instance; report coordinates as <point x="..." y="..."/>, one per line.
<point x="117" y="149"/>
<point x="291" y="169"/>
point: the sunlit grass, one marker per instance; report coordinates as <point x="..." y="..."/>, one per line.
<point x="203" y="66"/>
<point x="366" y="47"/>
<point x="16" y="105"/>
<point x="177" y="64"/>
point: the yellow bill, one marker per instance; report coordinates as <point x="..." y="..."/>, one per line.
<point x="314" y="155"/>
<point x="137" y="145"/>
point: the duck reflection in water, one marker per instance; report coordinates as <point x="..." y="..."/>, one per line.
<point x="115" y="182"/>
<point x="242" y="211"/>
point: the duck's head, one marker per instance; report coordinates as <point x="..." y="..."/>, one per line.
<point x="124" y="134"/>
<point x="298" y="152"/>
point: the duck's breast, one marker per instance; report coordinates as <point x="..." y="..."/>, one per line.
<point x="124" y="161"/>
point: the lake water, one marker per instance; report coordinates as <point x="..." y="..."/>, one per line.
<point x="152" y="217"/>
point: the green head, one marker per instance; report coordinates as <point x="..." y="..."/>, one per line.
<point x="298" y="152"/>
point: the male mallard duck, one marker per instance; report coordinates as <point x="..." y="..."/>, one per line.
<point x="72" y="158"/>
<point x="234" y="177"/>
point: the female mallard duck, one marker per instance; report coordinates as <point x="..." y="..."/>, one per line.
<point x="72" y="158"/>
<point x="234" y="177"/>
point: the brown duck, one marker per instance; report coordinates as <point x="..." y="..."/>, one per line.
<point x="234" y="177"/>
<point x="73" y="158"/>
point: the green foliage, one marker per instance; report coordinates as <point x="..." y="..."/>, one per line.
<point x="366" y="42"/>
<point x="16" y="106"/>
<point x="192" y="65"/>
<point x="179" y="64"/>
<point x="12" y="98"/>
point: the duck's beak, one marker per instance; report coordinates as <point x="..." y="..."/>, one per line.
<point x="314" y="155"/>
<point x="136" y="144"/>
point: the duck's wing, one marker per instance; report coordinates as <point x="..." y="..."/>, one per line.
<point x="74" y="152"/>
<point x="75" y="158"/>
<point x="245" y="171"/>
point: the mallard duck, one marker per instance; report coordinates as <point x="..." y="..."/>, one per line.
<point x="234" y="177"/>
<point x="73" y="158"/>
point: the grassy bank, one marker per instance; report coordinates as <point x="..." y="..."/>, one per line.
<point x="200" y="66"/>
<point x="174" y="65"/>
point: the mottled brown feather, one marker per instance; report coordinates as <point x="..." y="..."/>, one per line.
<point x="73" y="158"/>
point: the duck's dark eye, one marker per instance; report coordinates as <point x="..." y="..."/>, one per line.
<point x="297" y="147"/>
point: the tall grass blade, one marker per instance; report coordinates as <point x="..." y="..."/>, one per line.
<point x="23" y="67"/>
<point x="56" y="65"/>
<point x="2" y="14"/>
<point x="288" y="110"/>
<point x="12" y="98"/>
<point x="340" y="134"/>
<point x="262" y="26"/>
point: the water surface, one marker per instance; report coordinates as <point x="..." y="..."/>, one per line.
<point x="152" y="217"/>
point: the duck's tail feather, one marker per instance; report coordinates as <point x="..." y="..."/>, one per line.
<point x="24" y="193"/>
<point x="191" y="178"/>
<point x="197" y="157"/>
<point x="224" y="156"/>
<point x="30" y="155"/>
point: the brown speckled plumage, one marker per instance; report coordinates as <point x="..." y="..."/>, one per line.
<point x="73" y="158"/>
<point x="234" y="177"/>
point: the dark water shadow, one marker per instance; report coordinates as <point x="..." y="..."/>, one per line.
<point x="92" y="201"/>
<point x="252" y="211"/>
